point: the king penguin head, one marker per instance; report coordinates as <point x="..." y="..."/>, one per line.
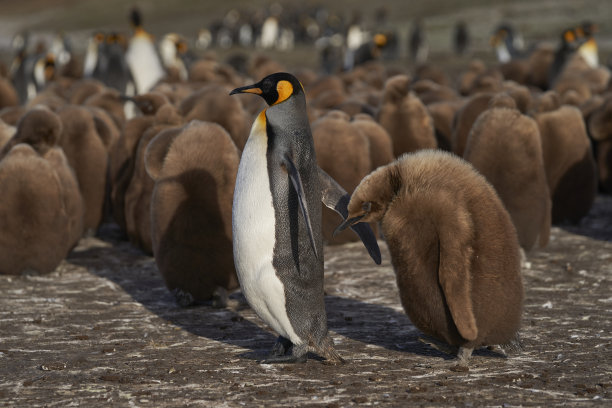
<point x="274" y="88"/>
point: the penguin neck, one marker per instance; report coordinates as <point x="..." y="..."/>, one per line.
<point x="289" y="114"/>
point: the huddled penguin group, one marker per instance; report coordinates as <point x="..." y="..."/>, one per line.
<point x="461" y="175"/>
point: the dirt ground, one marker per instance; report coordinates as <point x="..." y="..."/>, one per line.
<point x="102" y="330"/>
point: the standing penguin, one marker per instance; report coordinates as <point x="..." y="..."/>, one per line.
<point x="276" y="223"/>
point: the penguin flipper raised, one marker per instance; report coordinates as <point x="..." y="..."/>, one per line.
<point x="336" y="198"/>
<point x="294" y="175"/>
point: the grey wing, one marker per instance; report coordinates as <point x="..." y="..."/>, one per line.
<point x="336" y="198"/>
<point x="294" y="175"/>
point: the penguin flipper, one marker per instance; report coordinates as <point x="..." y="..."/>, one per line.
<point x="336" y="198"/>
<point x="294" y="175"/>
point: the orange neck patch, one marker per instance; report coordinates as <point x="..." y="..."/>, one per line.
<point x="284" y="89"/>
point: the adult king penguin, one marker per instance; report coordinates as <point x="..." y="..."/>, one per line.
<point x="276" y="223"/>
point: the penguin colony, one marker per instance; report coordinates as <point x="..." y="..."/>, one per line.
<point x="459" y="176"/>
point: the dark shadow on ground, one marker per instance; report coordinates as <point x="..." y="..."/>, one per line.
<point x="136" y="273"/>
<point x="597" y="224"/>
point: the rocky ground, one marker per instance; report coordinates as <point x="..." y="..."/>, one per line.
<point x="103" y="330"/>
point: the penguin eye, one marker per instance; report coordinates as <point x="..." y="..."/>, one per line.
<point x="284" y="90"/>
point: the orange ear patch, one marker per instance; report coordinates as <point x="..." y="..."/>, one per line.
<point x="284" y="89"/>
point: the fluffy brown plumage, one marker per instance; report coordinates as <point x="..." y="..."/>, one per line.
<point x="335" y="137"/>
<point x="212" y="103"/>
<point x="600" y="128"/>
<point x="138" y="192"/>
<point x="570" y="166"/>
<point x="453" y="247"/>
<point x="505" y="147"/>
<point x="381" y="145"/>
<point x="194" y="171"/>
<point x="405" y="117"/>
<point x="41" y="204"/>
<point x="465" y="118"/>
<point x="88" y="156"/>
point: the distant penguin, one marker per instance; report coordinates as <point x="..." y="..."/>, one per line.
<point x="88" y="156"/>
<point x="453" y="247"/>
<point x="42" y="206"/>
<point x="507" y="42"/>
<point x="140" y="187"/>
<point x="334" y="137"/>
<point x="276" y="223"/>
<point x="567" y="47"/>
<point x="6" y="133"/>
<point x="405" y="117"/>
<point x="368" y="51"/>
<point x="600" y="129"/>
<point x="172" y="49"/>
<point x="118" y="74"/>
<point x="588" y="50"/>
<point x="467" y="78"/>
<point x="8" y="94"/>
<point x="465" y="118"/>
<point x="95" y="62"/>
<point x="443" y="115"/>
<point x="505" y="147"/>
<point x="381" y="145"/>
<point x="211" y="103"/>
<point x="418" y="44"/>
<point x="570" y="166"/>
<point x="461" y="38"/>
<point x="191" y="210"/>
<point x="141" y="56"/>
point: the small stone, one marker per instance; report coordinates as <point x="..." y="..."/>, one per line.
<point x="458" y="368"/>
<point x="55" y="366"/>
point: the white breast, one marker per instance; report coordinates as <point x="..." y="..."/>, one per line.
<point x="253" y="231"/>
<point x="145" y="66"/>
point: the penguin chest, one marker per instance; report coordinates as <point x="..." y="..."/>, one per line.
<point x="253" y="234"/>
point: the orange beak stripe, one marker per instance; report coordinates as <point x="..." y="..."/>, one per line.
<point x="255" y="91"/>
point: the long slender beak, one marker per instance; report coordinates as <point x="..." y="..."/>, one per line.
<point x="254" y="89"/>
<point x="347" y="223"/>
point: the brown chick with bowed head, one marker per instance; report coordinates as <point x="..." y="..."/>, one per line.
<point x="453" y="247"/>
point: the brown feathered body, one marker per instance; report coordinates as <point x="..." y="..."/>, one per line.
<point x="569" y="162"/>
<point x="405" y="117"/>
<point x="191" y="207"/>
<point x="453" y="247"/>
<point x="41" y="207"/>
<point x="505" y="147"/>
<point x="88" y="156"/>
<point x="344" y="154"/>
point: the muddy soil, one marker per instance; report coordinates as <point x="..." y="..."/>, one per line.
<point x="102" y="330"/>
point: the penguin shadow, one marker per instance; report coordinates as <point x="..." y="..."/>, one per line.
<point x="136" y="273"/>
<point x="384" y="327"/>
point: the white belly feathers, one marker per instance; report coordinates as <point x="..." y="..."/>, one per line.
<point x="253" y="230"/>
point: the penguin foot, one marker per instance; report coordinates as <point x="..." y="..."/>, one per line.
<point x="287" y="359"/>
<point x="298" y="353"/>
<point x="28" y="272"/>
<point x="463" y="355"/>
<point x="219" y="298"/>
<point x="182" y="298"/>
<point x="281" y="347"/>
<point x="328" y="351"/>
<point x="514" y="346"/>
<point x="438" y="345"/>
